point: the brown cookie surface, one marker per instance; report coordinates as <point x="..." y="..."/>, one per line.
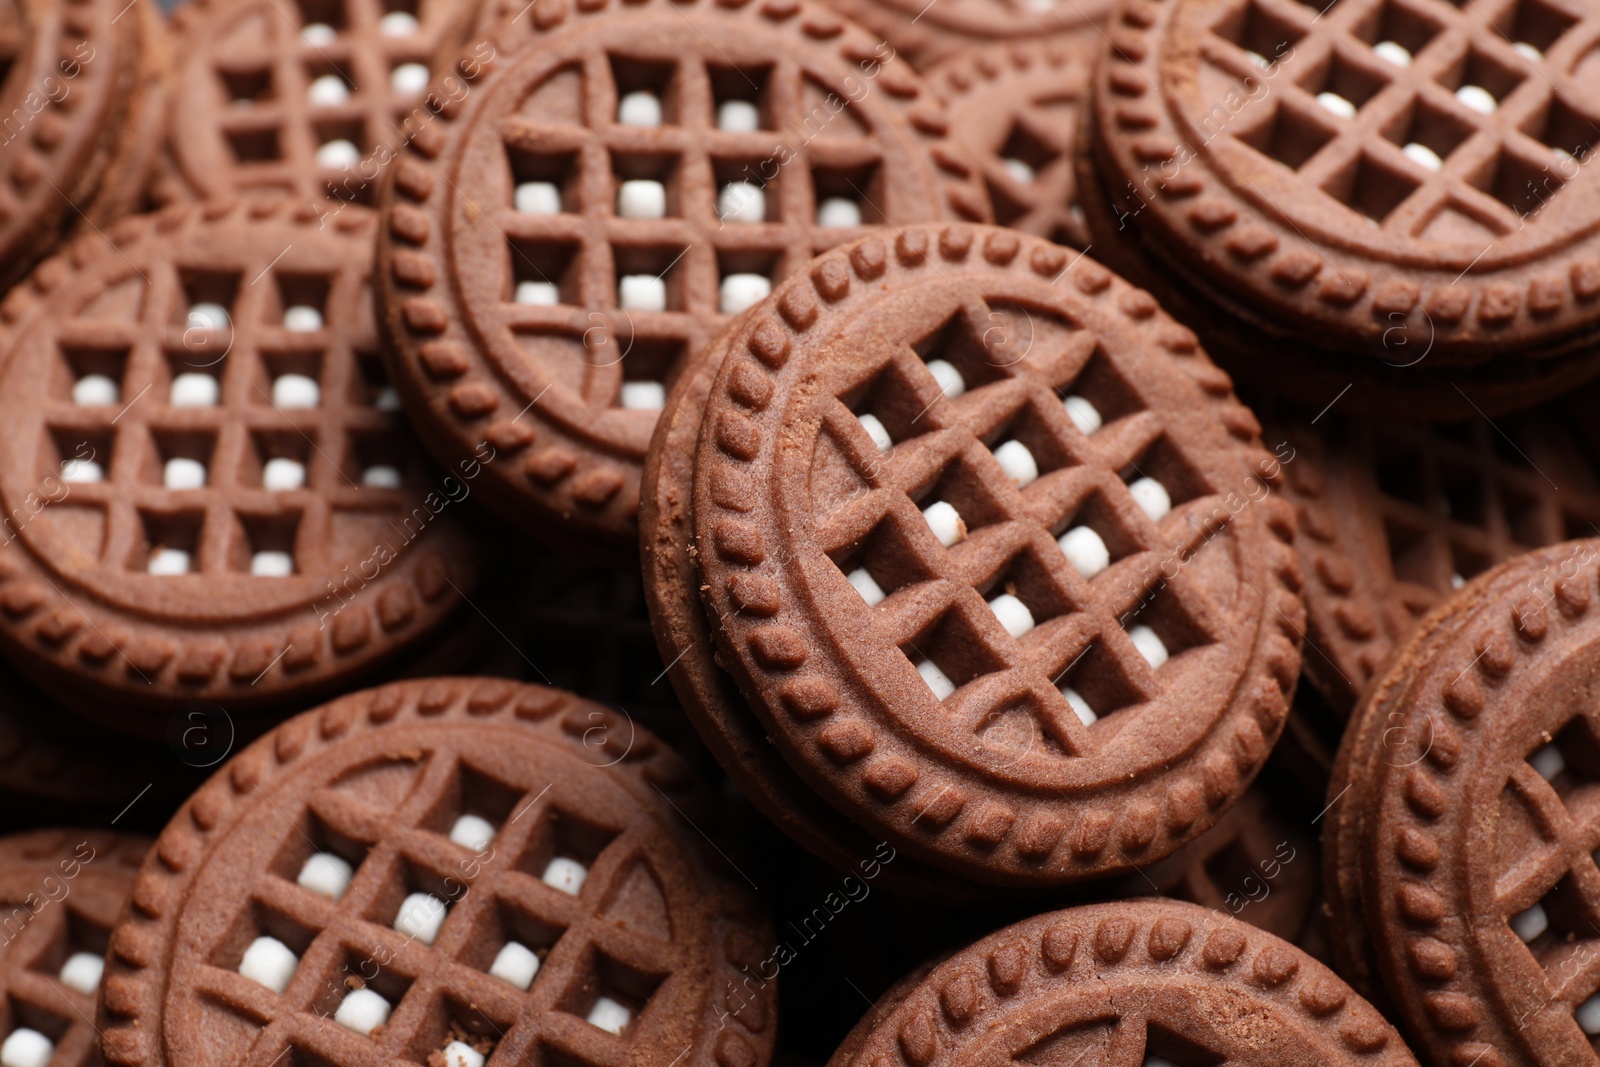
<point x="897" y="574"/>
<point x="73" y="79"/>
<point x="617" y="180"/>
<point x="306" y="99"/>
<point x="1459" y="866"/>
<point x="925" y="33"/>
<point x="568" y="909"/>
<point x="1345" y="173"/>
<point x="1138" y="982"/>
<point x="209" y="495"/>
<point x="61" y="891"/>
<point x="1015" y="106"/>
<point x="1394" y="517"/>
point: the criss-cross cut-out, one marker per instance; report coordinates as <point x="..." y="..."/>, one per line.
<point x="51" y="994"/>
<point x="1456" y="500"/>
<point x="1548" y="883"/>
<point x="546" y="938"/>
<point x="974" y="564"/>
<point x="300" y="94"/>
<point x="650" y="199"/>
<point x="1430" y="119"/>
<point x="205" y="431"/>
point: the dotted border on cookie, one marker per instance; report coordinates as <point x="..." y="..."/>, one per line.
<point x="770" y="655"/>
<point x="1139" y="135"/>
<point x="966" y="996"/>
<point x="86" y="641"/>
<point x="561" y="473"/>
<point x="132" y="1002"/>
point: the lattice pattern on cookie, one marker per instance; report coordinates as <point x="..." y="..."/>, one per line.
<point x="510" y="938"/>
<point x="952" y="518"/>
<point x="1429" y="119"/>
<point x="294" y="97"/>
<point x="205" y="429"/>
<point x="1455" y="500"/>
<point x="647" y="200"/>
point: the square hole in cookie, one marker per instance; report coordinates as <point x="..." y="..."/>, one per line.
<point x="455" y="1033"/>
<point x="271" y="965"/>
<point x="205" y="310"/>
<point x="745" y="193"/>
<point x="77" y="455"/>
<point x="300" y="303"/>
<point x="647" y="91"/>
<point x="543" y="182"/>
<point x="415" y="899"/>
<point x="1342" y="84"/>
<point x="291" y="381"/>
<point x="373" y="981"/>
<point x="891" y="407"/>
<point x="1398" y="30"/>
<point x="650" y="278"/>
<point x="950" y="652"/>
<point x="1570" y="762"/>
<point x="1413" y="554"/>
<point x="372" y="387"/>
<point x="964" y="490"/>
<point x="341" y="143"/>
<point x="1370" y="186"/>
<point x="509" y="943"/>
<point x="645" y="184"/>
<point x="1521" y="182"/>
<point x="245" y="85"/>
<point x="1263" y="33"/>
<point x="882" y="563"/>
<point x="1533" y="26"/>
<point x="1481" y="81"/>
<point x="1160" y="480"/>
<point x="1027" y="580"/>
<point x="563" y="847"/>
<point x="90" y="375"/>
<point x="376" y="459"/>
<point x="1427" y="134"/>
<point x="1025" y="446"/>
<point x="277" y="460"/>
<point x="1567" y="129"/>
<point x="318" y="858"/>
<point x="1291" y="133"/>
<point x="1096" y="684"/>
<point x="650" y="368"/>
<point x="1559" y="929"/>
<point x="330" y="13"/>
<point x="30" y="1033"/>
<point x="740" y="98"/>
<point x="957" y="357"/>
<point x="1094" y="536"/>
<point x="179" y="459"/>
<point x="1162" y="629"/>
<point x="745" y="277"/>
<point x="266" y="544"/>
<point x="76" y="958"/>
<point x="328" y="84"/>
<point x="845" y="196"/>
<point x="1026" y="151"/>
<point x="194" y="373"/>
<point x="252" y="142"/>
<point x="609" y="994"/>
<point x="472" y="811"/>
<point x="168" y="544"/>
<point x="1097" y="396"/>
<point x="543" y="273"/>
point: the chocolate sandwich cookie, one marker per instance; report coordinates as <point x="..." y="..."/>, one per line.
<point x="1143" y="982"/>
<point x="78" y="81"/>
<point x="1341" y="172"/>
<point x="1394" y="517"/>
<point x="1015" y="106"/>
<point x="309" y="99"/>
<point x="209" y="493"/>
<point x="450" y="871"/>
<point x="924" y="33"/>
<point x="616" y="184"/>
<point x="1460" y="840"/>
<point x="973" y="527"/>
<point x="60" y="894"/>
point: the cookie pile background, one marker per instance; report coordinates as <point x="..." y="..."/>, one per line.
<point x="806" y="532"/>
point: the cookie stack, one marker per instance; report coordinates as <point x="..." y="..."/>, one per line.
<point x="722" y="533"/>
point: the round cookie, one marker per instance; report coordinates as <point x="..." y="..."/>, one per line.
<point x="1149" y="982"/>
<point x="1015" y="105"/>
<point x="1340" y="175"/>
<point x="61" y="891"/>
<point x="1393" y="517"/>
<point x="1394" y="377"/>
<point x="77" y="81"/>
<point x="306" y="99"/>
<point x="1459" y="841"/>
<point x="550" y="257"/>
<point x="925" y="33"/>
<point x="897" y="577"/>
<point x="208" y="493"/>
<point x="453" y="860"/>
